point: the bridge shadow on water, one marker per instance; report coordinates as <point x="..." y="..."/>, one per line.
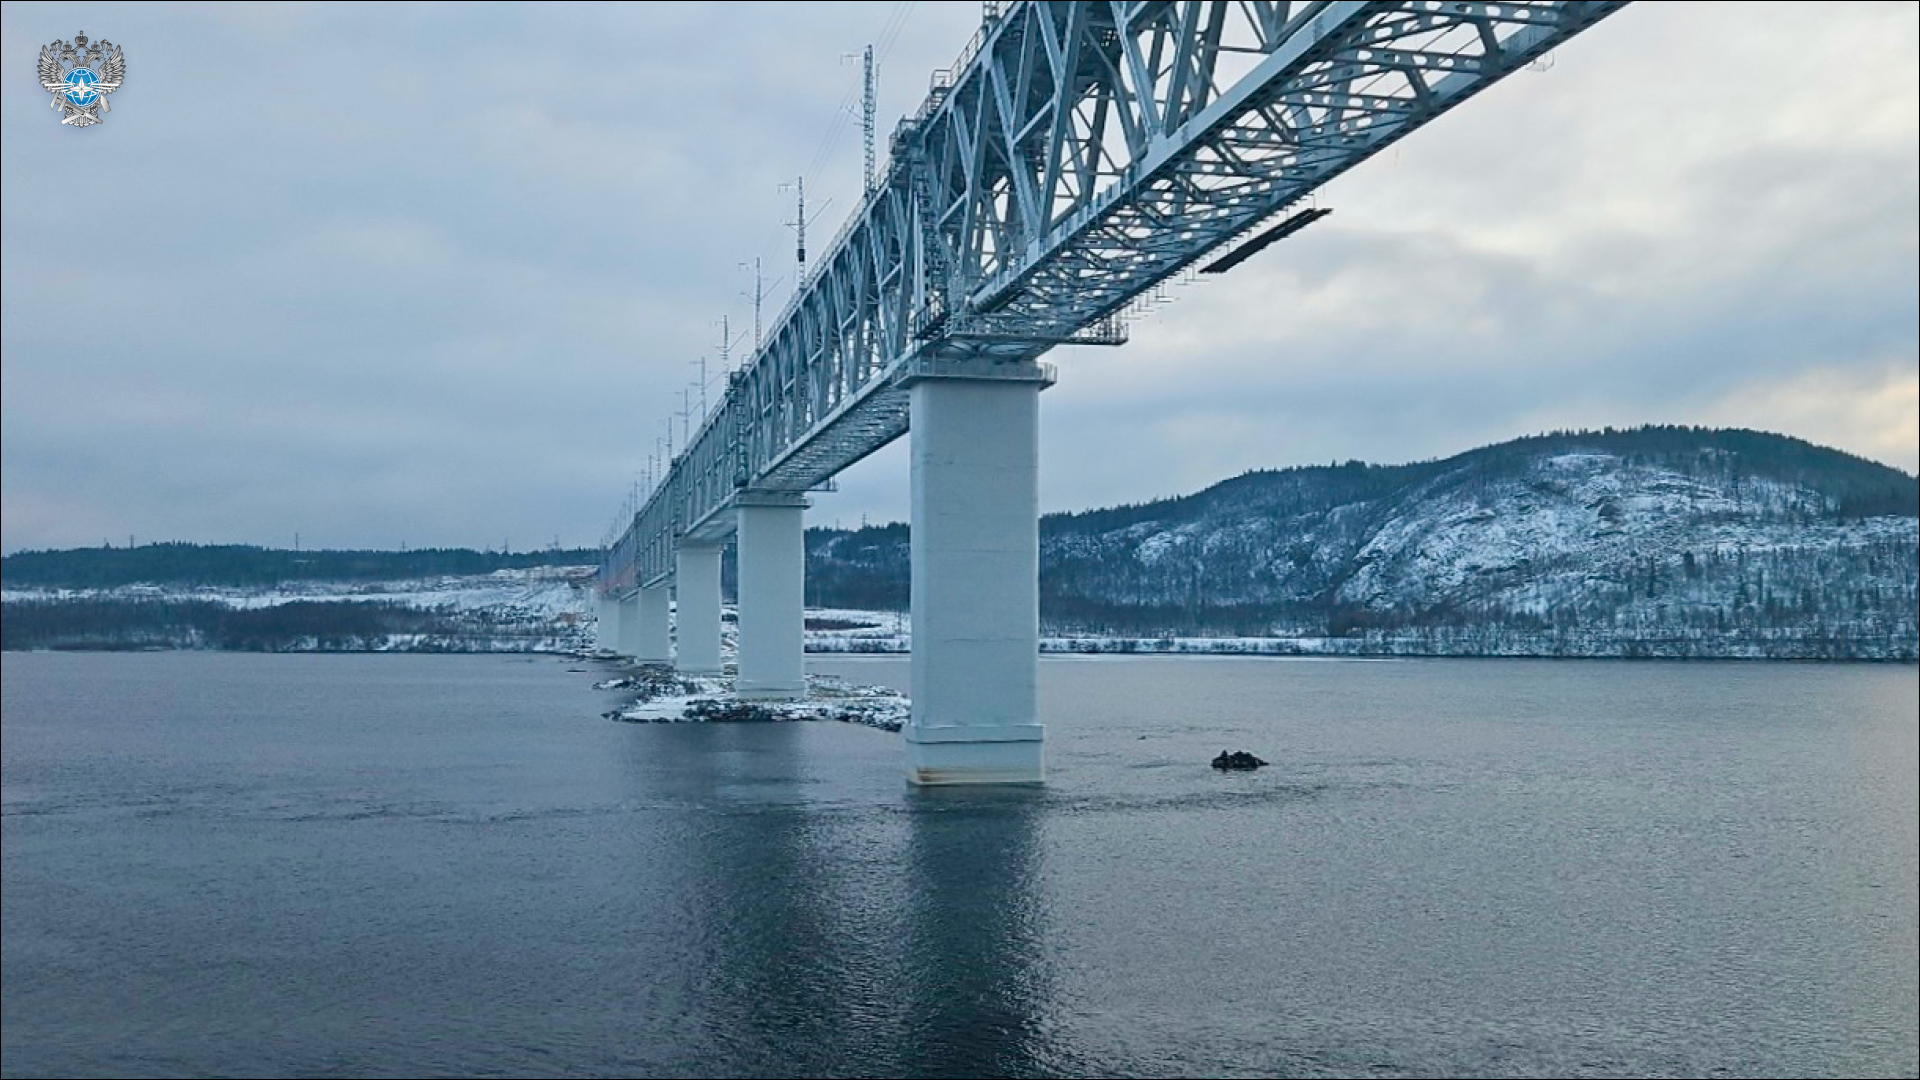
<point x="836" y="922"/>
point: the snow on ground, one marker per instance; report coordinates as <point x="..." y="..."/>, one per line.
<point x="551" y="591"/>
<point x="845" y="630"/>
<point x="663" y="696"/>
<point x="537" y="609"/>
<point x="891" y="633"/>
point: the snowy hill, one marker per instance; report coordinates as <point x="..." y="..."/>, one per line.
<point x="1660" y="541"/>
<point x="1653" y="542"/>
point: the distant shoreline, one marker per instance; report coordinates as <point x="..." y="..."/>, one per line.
<point x="1291" y="649"/>
<point x="1434" y="643"/>
<point x="1186" y="648"/>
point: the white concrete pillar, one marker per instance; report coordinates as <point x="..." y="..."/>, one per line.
<point x="605" y="632"/>
<point x="696" y="579"/>
<point x="772" y="609"/>
<point x="653" y="640"/>
<point x="629" y="623"/>
<point x="976" y="582"/>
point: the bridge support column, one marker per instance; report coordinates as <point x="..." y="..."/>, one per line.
<point x="606" y="630"/>
<point x="626" y="621"/>
<point x="653" y="639"/>
<point x="772" y="611"/>
<point x="976" y="586"/>
<point x="696" y="577"/>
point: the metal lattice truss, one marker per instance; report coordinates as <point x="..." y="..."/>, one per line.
<point x="1077" y="155"/>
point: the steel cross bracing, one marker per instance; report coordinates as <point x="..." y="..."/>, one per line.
<point x="1077" y="155"/>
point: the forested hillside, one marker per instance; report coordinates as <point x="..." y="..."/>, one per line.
<point x="245" y="565"/>
<point x="1652" y="542"/>
<point x="1664" y="540"/>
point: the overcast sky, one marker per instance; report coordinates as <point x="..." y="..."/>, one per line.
<point x="383" y="275"/>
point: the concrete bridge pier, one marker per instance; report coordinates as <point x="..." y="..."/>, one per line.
<point x="976" y="584"/>
<point x="772" y="611"/>
<point x="653" y="639"/>
<point x="696" y="578"/>
<point x="626" y="623"/>
<point x="606" y="630"/>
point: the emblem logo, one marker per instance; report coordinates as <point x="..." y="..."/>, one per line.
<point x="80" y="74"/>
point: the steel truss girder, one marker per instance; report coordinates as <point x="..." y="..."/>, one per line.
<point x="1078" y="155"/>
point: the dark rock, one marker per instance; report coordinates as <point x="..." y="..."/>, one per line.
<point x="714" y="711"/>
<point x="1238" y="759"/>
<point x="652" y="682"/>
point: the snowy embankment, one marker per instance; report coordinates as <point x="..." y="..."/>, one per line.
<point x="889" y="633"/>
<point x="538" y="609"/>
<point x="545" y="590"/>
<point x="663" y="696"/>
<point x="550" y="610"/>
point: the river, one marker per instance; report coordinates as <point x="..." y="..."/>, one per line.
<point x="228" y="864"/>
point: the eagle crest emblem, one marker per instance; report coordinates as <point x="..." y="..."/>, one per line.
<point x="80" y="74"/>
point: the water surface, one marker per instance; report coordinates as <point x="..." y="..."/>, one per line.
<point x="393" y="865"/>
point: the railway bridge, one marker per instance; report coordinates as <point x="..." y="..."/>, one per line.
<point x="1075" y="156"/>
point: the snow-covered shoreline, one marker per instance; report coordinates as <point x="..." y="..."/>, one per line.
<point x="533" y="610"/>
<point x="553" y="591"/>
<point x="1437" y="645"/>
<point x="889" y="633"/>
<point x="550" y="610"/>
<point x="663" y="696"/>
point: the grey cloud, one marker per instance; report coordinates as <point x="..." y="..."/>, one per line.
<point x="435" y="275"/>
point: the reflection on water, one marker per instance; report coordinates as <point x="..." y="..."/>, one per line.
<point x="246" y="865"/>
<point x="828" y="939"/>
<point x="975" y="933"/>
<point x="773" y="907"/>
